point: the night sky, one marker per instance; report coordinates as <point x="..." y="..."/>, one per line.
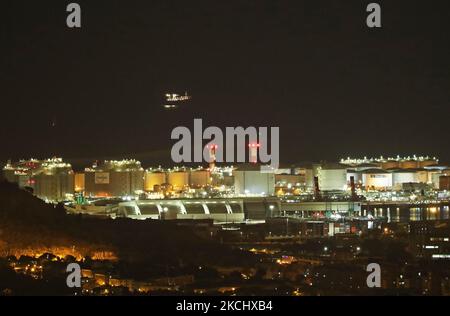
<point x="334" y="87"/>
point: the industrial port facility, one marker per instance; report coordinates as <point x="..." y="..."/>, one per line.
<point x="356" y="188"/>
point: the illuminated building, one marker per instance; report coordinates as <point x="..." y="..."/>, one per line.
<point x="434" y="241"/>
<point x="219" y="210"/>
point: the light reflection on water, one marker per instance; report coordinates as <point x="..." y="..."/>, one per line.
<point x="414" y="213"/>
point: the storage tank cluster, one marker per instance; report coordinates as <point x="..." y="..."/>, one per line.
<point x="50" y="179"/>
<point x="154" y="179"/>
<point x="409" y="162"/>
<point x="381" y="179"/>
<point x="127" y="177"/>
<point x="178" y="178"/>
<point x="394" y="173"/>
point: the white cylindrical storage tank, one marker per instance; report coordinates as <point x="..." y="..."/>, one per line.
<point x="332" y="177"/>
<point x="309" y="178"/>
<point x="435" y="179"/>
<point x="249" y="180"/>
<point x="377" y="179"/>
<point x="399" y="177"/>
<point x="422" y="176"/>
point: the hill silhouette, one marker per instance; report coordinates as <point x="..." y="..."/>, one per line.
<point x="28" y="223"/>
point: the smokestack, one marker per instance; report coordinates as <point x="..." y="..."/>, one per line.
<point x="352" y="186"/>
<point x="253" y="152"/>
<point x="212" y="157"/>
<point x="316" y="188"/>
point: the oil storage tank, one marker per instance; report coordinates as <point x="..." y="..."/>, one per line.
<point x="249" y="180"/>
<point x="199" y="178"/>
<point x="154" y="179"/>
<point x="401" y="176"/>
<point x="179" y="179"/>
<point x="332" y="177"/>
<point x="390" y="164"/>
<point x="409" y="164"/>
<point x="377" y="179"/>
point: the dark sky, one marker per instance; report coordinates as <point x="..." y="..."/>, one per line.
<point x="333" y="86"/>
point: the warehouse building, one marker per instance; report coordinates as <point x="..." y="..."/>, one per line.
<point x="220" y="210"/>
<point x="227" y="210"/>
